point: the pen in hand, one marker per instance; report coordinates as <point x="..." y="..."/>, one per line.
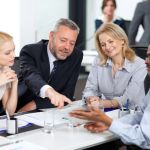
<point x="7" y="114"/>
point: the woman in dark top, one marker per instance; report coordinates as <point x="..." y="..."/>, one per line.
<point x="108" y="10"/>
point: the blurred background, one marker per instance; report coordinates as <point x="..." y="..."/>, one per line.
<point x="31" y="20"/>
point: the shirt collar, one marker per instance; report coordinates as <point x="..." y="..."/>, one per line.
<point x="50" y="55"/>
<point x="126" y="65"/>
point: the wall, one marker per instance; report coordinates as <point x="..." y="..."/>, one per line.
<point x="30" y="20"/>
<point x="38" y="18"/>
<point x="9" y="19"/>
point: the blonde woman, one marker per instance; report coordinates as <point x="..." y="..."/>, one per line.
<point x="117" y="74"/>
<point x="8" y="78"/>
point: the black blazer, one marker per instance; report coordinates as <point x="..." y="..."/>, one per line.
<point x="119" y="22"/>
<point x="35" y="70"/>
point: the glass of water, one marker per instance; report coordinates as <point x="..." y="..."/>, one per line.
<point x="48" y="121"/>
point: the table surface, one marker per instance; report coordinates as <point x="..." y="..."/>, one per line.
<point x="64" y="137"/>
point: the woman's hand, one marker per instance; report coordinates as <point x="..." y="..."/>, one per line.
<point x="8" y="75"/>
<point x="92" y="100"/>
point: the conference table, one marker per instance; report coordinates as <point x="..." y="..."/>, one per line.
<point x="63" y="136"/>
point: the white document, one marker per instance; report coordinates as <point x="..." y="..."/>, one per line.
<point x="23" y="145"/>
<point x="61" y="116"/>
<point x="3" y="140"/>
<point x="35" y="118"/>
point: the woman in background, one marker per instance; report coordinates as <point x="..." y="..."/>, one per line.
<point x="117" y="74"/>
<point x="8" y="78"/>
<point x="108" y="14"/>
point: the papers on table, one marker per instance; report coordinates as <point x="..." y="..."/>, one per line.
<point x="61" y="116"/>
<point x="35" y="118"/>
<point x="21" y="145"/>
<point x="3" y="140"/>
<point x="21" y="123"/>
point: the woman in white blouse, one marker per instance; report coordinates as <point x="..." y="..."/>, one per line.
<point x="8" y="77"/>
<point x="117" y="74"/>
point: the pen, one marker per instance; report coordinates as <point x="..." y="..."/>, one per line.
<point x="7" y="114"/>
<point x="121" y="107"/>
<point x="127" y="104"/>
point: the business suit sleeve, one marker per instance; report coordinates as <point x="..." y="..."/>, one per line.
<point x="135" y="23"/>
<point x="71" y="83"/>
<point x="29" y="69"/>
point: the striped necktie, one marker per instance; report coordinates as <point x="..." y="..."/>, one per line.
<point x="53" y="70"/>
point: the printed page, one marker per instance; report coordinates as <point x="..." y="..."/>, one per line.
<point x="21" y="145"/>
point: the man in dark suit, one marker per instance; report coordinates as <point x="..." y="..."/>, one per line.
<point x="141" y="17"/>
<point x="42" y="83"/>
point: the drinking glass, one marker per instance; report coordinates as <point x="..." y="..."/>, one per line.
<point x="48" y="121"/>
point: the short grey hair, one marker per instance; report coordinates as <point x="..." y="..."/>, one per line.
<point x="68" y="23"/>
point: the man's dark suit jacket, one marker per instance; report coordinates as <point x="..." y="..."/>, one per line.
<point x="35" y="73"/>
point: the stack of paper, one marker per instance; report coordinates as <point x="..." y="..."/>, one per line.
<point x="21" y="145"/>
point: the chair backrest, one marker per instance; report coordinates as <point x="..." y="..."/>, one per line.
<point x="141" y="51"/>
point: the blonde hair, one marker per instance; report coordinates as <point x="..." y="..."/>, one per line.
<point x="117" y="33"/>
<point x="4" y="37"/>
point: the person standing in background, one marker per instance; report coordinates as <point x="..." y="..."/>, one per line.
<point x="8" y="77"/>
<point x="141" y="17"/>
<point x="50" y="68"/>
<point x="108" y="14"/>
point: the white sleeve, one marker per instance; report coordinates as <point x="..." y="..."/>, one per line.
<point x="133" y="129"/>
<point x="43" y="90"/>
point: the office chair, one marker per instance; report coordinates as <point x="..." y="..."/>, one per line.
<point x="140" y="50"/>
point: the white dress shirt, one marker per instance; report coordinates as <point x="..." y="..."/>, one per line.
<point x="135" y="129"/>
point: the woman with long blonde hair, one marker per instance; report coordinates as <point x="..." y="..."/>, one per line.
<point x="8" y="77"/>
<point x="117" y="74"/>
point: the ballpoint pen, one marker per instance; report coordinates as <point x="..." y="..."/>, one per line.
<point x="7" y="114"/>
<point x="127" y="104"/>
